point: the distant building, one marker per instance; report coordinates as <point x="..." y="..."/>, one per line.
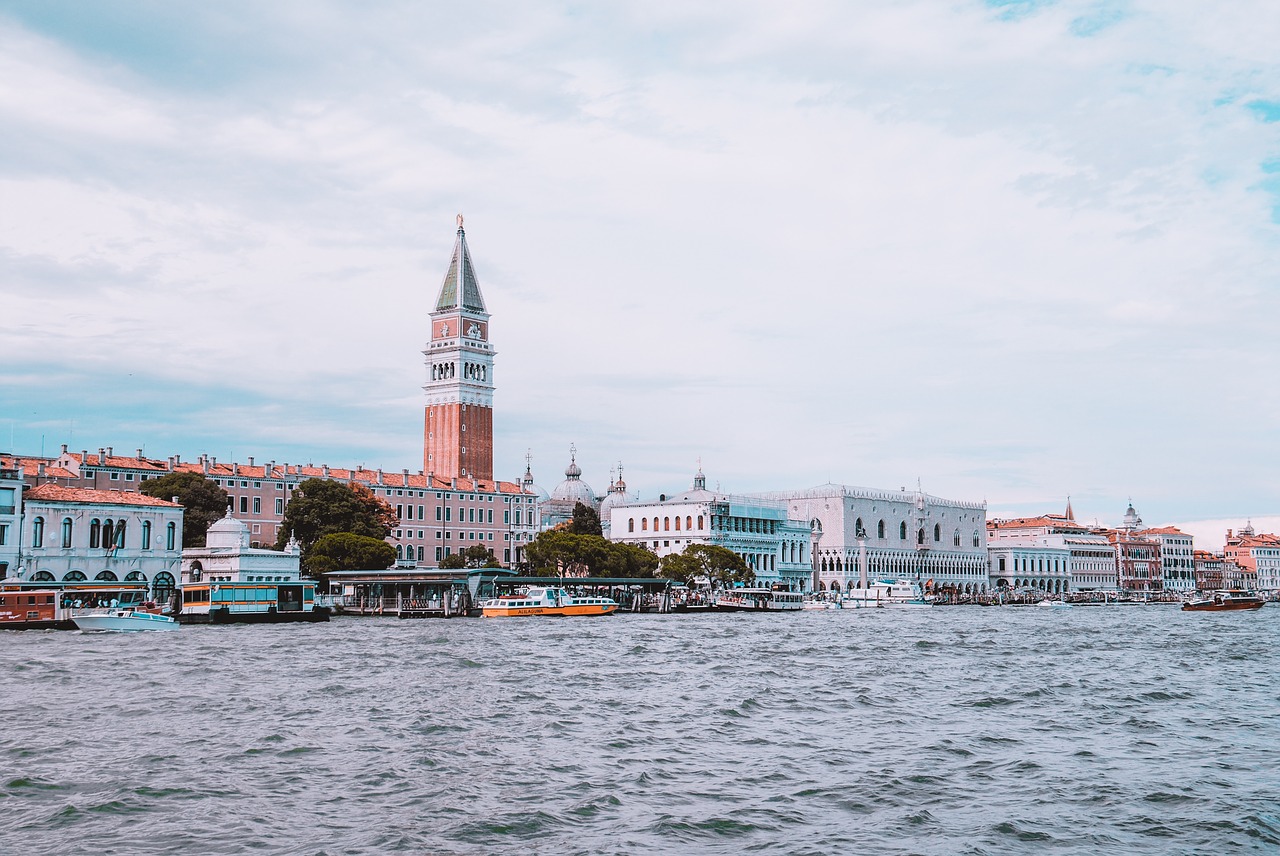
<point x="911" y="535"/>
<point x="1035" y="561"/>
<point x="10" y="518"/>
<point x="558" y="507"/>
<point x="1258" y="556"/>
<point x="227" y="557"/>
<point x="1137" y="561"/>
<point x="1210" y="570"/>
<point x="776" y="546"/>
<point x="77" y="534"/>
<point x="1092" y="557"/>
<point x="1177" y="557"/>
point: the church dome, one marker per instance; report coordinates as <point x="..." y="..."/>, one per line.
<point x="573" y="488"/>
<point x="227" y="534"/>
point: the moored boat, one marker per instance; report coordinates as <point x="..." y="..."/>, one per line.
<point x="886" y="594"/>
<point x="1224" y="601"/>
<point x="34" y="609"/>
<point x="543" y="600"/>
<point x="1053" y="604"/>
<point x="758" y="600"/>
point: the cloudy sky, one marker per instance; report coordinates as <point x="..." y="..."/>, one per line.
<point x="1013" y="250"/>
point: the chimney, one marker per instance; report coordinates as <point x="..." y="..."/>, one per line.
<point x="453" y="483"/>
<point x="235" y="468"/>
<point x="64" y="449"/>
<point x="139" y="454"/>
<point x="325" y="469"/>
<point x="177" y="459"/>
<point x="251" y="460"/>
<point x="111" y="452"/>
<point x="270" y="469"/>
<point x="102" y="455"/>
<point x="379" y="475"/>
<point x="40" y="468"/>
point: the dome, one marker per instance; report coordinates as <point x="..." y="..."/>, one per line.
<point x="573" y="488"/>
<point x="227" y="534"/>
<point x="614" y="498"/>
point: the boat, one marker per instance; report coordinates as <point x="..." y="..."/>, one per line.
<point x="248" y="601"/>
<point x="758" y="600"/>
<point x="821" y="600"/>
<point x="1053" y="604"/>
<point x="122" y="619"/>
<point x="886" y="594"/>
<point x="34" y="609"/>
<point x="1224" y="601"/>
<point x="543" y="600"/>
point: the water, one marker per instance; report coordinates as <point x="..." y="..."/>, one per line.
<point x="963" y="730"/>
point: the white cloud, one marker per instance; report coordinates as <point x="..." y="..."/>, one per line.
<point x="865" y="243"/>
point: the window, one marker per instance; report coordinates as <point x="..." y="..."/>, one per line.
<point x="937" y="533"/>
<point x="699" y="521"/>
<point x="114" y="477"/>
<point x="902" y="530"/>
<point x="37" y="532"/>
<point x="880" y="530"/>
<point x="955" y="539"/>
<point x="471" y="516"/>
<point x="975" y="537"/>
<point x="170" y="532"/>
<point x="688" y="522"/>
<point x="257" y="505"/>
<point x="4" y="535"/>
<point x="244" y="505"/>
<point x="677" y="524"/>
<point x="490" y="511"/>
<point x="66" y="533"/>
<point x="631" y="524"/>
<point x="128" y="476"/>
<point x="257" y="484"/>
<point x="858" y="531"/>
<point x="448" y="513"/>
<point x="279" y="505"/>
<point x="421" y="515"/>
<point x="146" y="534"/>
<point x="95" y="533"/>
<point x="400" y="511"/>
<point x="108" y="533"/>
<point x="419" y="553"/>
<point x="666" y="524"/>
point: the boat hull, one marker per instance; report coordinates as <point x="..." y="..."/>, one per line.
<point x="572" y="609"/>
<point x="1221" y="607"/>
<point x="223" y="615"/>
<point x="124" y="622"/>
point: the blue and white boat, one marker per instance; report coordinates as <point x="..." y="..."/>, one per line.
<point x="886" y="594"/>
<point x="121" y="619"/>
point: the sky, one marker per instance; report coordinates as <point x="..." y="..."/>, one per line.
<point x="1009" y="251"/>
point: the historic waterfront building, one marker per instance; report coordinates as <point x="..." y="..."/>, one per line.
<point x="10" y="516"/>
<point x="1035" y="561"/>
<point x="940" y="543"/>
<point x="76" y="534"/>
<point x="226" y="557"/>
<point x="458" y="438"/>
<point x="1092" y="557"/>
<point x="1177" y="557"/>
<point x="776" y="546"/>
<point x="1258" y="555"/>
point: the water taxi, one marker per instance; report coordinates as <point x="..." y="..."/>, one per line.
<point x="541" y="600"/>
<point x="1224" y="601"/>
<point x="885" y="594"/>
<point x="34" y="609"/>
<point x="759" y="600"/>
<point x="123" y="620"/>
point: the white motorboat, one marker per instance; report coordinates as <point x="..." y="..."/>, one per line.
<point x="886" y="594"/>
<point x="821" y="601"/>
<point x="1053" y="604"/>
<point x="122" y="620"/>
<point x="758" y="600"/>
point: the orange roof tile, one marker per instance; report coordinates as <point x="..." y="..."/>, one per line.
<point x="58" y="493"/>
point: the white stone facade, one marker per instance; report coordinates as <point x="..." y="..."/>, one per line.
<point x="776" y="547"/>
<point x="227" y="557"/>
<point x="1034" y="562"/>
<point x="908" y="535"/>
<point x="1177" y="557"/>
<point x="73" y="535"/>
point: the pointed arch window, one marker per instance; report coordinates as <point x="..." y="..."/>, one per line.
<point x="937" y="532"/>
<point x="955" y="539"/>
<point x="902" y="530"/>
<point x="880" y="530"/>
<point x="975" y="538"/>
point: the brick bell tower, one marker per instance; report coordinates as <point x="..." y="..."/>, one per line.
<point x="458" y="440"/>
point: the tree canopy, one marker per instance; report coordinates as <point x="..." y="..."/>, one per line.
<point x="320" y="507"/>
<point x="343" y="551"/>
<point x="203" y="502"/>
<point x="585" y="521"/>
<point x="556" y="552"/>
<point x="474" y="556"/>
<point x="718" y="564"/>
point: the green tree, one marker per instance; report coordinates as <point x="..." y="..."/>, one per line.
<point x="453" y="562"/>
<point x="343" y="551"/>
<point x="320" y="507"/>
<point x="474" y="556"/>
<point x="586" y="521"/>
<point x="720" y="565"/>
<point x="562" y="551"/>
<point x="203" y="502"/>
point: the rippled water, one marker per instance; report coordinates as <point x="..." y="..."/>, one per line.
<point x="963" y="730"/>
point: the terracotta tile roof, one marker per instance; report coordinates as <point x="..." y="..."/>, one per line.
<point x="1163" y="530"/>
<point x="58" y="493"/>
<point x="1032" y="522"/>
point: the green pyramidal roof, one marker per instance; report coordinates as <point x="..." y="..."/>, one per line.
<point x="460" y="280"/>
